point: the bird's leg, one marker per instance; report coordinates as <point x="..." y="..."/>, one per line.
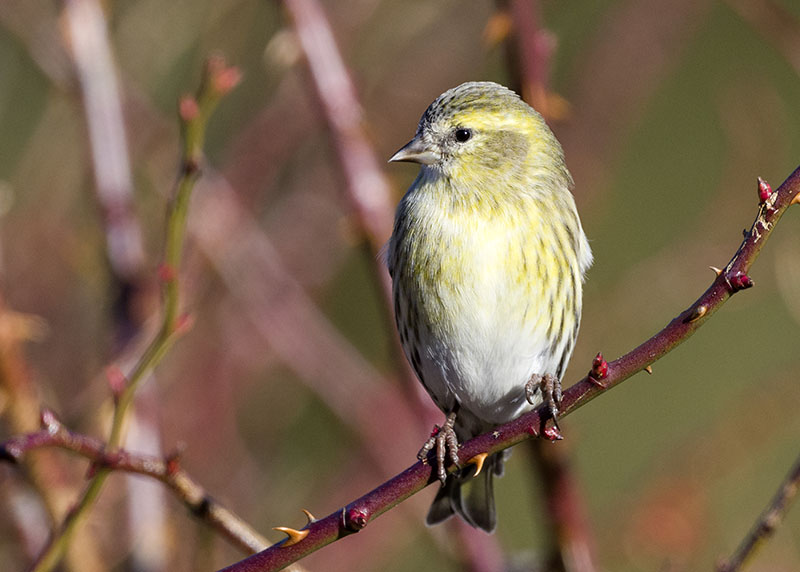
<point x="444" y="440"/>
<point x="550" y="387"/>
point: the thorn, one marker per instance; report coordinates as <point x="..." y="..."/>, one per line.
<point x="309" y="516"/>
<point x="716" y="270"/>
<point x="649" y="369"/>
<point x="697" y="313"/>
<point x="294" y="535"/>
<point x="764" y="190"/>
<point x="795" y="200"/>
<point x="478" y="461"/>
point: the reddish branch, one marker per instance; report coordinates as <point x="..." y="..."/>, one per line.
<point x="357" y="514"/>
<point x="167" y="470"/>
<point x="766" y="523"/>
<point x="366" y="186"/>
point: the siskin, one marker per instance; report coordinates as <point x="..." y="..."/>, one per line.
<point x="487" y="260"/>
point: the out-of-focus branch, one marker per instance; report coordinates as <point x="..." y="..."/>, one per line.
<point x="367" y="189"/>
<point x="291" y="325"/>
<point x="603" y="376"/>
<point x="22" y="412"/>
<point x="767" y="523"/>
<point x="218" y="79"/>
<point x="571" y="548"/>
<point x="775" y="23"/>
<point x="89" y="45"/>
<point x="570" y="538"/>
<point x="91" y="53"/>
<point x="528" y="50"/>
<point x="168" y="471"/>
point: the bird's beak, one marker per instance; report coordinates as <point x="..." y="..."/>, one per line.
<point x="415" y="151"/>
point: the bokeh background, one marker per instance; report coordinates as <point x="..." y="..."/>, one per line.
<point x="286" y="393"/>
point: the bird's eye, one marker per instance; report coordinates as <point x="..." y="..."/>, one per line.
<point x="463" y="135"/>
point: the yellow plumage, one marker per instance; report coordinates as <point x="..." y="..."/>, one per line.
<point x="487" y="260"/>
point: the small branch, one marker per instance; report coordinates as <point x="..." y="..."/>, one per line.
<point x="357" y="514"/>
<point x="529" y="48"/>
<point x="767" y="523"/>
<point x="168" y="471"/>
<point x="194" y="112"/>
<point x="571" y="546"/>
<point x="366" y="186"/>
<point x="91" y="52"/>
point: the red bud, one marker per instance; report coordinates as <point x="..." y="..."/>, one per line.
<point x="764" y="190"/>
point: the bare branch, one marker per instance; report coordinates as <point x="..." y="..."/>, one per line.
<point x="603" y="376"/>
<point x="767" y="523"/>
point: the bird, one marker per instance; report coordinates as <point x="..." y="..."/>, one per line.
<point x="487" y="259"/>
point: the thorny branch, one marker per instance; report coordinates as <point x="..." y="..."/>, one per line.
<point x="602" y="376"/>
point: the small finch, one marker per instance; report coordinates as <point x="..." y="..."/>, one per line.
<point x="487" y="260"/>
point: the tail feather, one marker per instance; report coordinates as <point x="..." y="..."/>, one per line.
<point x="470" y="497"/>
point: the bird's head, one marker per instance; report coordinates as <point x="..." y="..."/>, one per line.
<point x="479" y="130"/>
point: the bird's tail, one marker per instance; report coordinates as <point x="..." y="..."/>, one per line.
<point x="472" y="498"/>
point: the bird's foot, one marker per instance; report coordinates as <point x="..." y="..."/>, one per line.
<point x="443" y="439"/>
<point x="550" y="387"/>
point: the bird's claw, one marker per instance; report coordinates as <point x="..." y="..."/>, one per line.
<point x="444" y="441"/>
<point x="550" y="387"/>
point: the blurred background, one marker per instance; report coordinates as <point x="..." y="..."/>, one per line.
<point x="287" y="392"/>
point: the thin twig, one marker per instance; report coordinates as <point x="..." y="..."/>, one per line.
<point x="366" y="187"/>
<point x="767" y="523"/>
<point x="218" y="80"/>
<point x="356" y="515"/>
<point x="168" y="471"/>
